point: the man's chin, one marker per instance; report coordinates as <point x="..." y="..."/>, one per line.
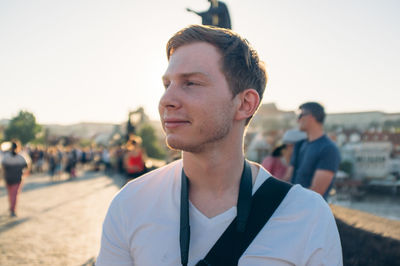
<point x="173" y="143"/>
<point x="175" y="148"/>
<point x="179" y="145"/>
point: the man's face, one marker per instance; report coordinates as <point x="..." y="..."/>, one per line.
<point x="303" y="119"/>
<point x="196" y="109"/>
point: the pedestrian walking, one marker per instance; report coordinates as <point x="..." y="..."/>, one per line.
<point x="134" y="158"/>
<point x="15" y="166"/>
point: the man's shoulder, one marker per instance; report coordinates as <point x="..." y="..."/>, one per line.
<point x="6" y="156"/>
<point x="9" y="159"/>
<point x="298" y="197"/>
<point x="306" y="219"/>
<point x="220" y="3"/>
<point x="325" y="139"/>
<point x="323" y="144"/>
<point x="329" y="145"/>
<point x="305" y="203"/>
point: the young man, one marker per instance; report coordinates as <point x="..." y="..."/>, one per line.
<point x="213" y="85"/>
<point x="315" y="160"/>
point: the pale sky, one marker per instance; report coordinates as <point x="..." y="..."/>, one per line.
<point x="93" y="61"/>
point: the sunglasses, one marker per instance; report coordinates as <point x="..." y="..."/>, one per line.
<point x="301" y="115"/>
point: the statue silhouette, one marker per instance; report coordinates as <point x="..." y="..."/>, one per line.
<point x="217" y="15"/>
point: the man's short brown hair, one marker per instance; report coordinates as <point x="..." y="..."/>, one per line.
<point x="240" y="63"/>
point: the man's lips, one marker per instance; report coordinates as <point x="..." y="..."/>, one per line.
<point x="174" y="123"/>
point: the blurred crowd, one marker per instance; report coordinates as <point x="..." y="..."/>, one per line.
<point x="59" y="161"/>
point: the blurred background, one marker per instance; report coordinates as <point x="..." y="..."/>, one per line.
<point x="80" y="83"/>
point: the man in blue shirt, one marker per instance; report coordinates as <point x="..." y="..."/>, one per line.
<point x="316" y="159"/>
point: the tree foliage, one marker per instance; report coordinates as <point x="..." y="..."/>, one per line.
<point x="347" y="167"/>
<point x="150" y="142"/>
<point x="22" y="127"/>
<point x="389" y="124"/>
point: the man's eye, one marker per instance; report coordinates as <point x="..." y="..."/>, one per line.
<point x="190" y="83"/>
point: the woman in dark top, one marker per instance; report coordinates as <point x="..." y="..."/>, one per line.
<point x="13" y="165"/>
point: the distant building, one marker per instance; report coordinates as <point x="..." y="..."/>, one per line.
<point x="346" y="136"/>
<point x="360" y="120"/>
<point x="270" y="118"/>
<point x="392" y="137"/>
<point x="371" y="160"/>
<point x="373" y="153"/>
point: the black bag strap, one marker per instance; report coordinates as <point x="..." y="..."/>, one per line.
<point x="243" y="209"/>
<point x="232" y="243"/>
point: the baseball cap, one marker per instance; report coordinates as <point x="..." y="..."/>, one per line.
<point x="293" y="136"/>
<point x="6" y="146"/>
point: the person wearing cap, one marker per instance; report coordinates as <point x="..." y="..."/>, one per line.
<point x="316" y="159"/>
<point x="278" y="162"/>
<point x="14" y="166"/>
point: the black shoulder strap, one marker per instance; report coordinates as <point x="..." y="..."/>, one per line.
<point x="232" y="244"/>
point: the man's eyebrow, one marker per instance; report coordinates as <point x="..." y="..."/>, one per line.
<point x="188" y="75"/>
<point x="201" y="74"/>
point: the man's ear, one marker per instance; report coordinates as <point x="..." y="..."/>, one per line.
<point x="248" y="104"/>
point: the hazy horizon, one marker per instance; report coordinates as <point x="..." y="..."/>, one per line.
<point x="158" y="119"/>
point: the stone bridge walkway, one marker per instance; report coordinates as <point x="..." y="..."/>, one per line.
<point x="58" y="223"/>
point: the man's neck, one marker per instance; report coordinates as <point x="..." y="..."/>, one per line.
<point x="213" y="171"/>
<point x="315" y="133"/>
<point x="214" y="178"/>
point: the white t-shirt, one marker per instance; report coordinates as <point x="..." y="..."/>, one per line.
<point x="142" y="227"/>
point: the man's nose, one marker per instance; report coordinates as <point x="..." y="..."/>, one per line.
<point x="170" y="98"/>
